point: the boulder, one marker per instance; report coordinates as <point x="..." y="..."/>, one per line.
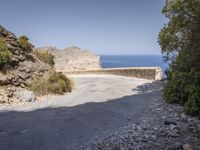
<point x="25" y="95"/>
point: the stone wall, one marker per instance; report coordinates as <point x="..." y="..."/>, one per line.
<point x="150" y="73"/>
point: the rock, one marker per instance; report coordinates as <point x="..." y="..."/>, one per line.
<point x="189" y="147"/>
<point x="172" y="127"/>
<point x="25" y="95"/>
<point x="22" y="66"/>
<point x="173" y="134"/>
<point x="169" y="122"/>
<point x="115" y="147"/>
<point x="192" y="127"/>
<point x="3" y="97"/>
<point x="3" y="79"/>
<point x="73" y="59"/>
<point x="10" y="91"/>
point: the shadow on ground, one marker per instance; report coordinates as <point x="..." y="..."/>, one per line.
<point x="155" y="86"/>
<point x="64" y="128"/>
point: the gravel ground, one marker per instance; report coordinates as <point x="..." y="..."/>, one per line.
<point x="165" y="127"/>
<point x="103" y="112"/>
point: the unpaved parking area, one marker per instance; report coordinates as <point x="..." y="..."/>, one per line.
<point x="98" y="105"/>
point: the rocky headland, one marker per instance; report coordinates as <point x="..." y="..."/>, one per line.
<point x="73" y="59"/>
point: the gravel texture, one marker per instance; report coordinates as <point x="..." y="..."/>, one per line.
<point x="102" y="113"/>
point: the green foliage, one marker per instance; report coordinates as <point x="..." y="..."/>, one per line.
<point x="175" y="89"/>
<point x="5" y="55"/>
<point x="57" y="83"/>
<point x="26" y="45"/>
<point x="182" y="30"/>
<point x="193" y="104"/>
<point x="39" y="87"/>
<point x="180" y="44"/>
<point x="184" y="88"/>
<point x="45" y="57"/>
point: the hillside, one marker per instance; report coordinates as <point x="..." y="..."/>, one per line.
<point x="22" y="68"/>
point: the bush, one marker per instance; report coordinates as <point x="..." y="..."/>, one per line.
<point x="39" y="87"/>
<point x="26" y="45"/>
<point x="45" y="57"/>
<point x="192" y="106"/>
<point x="5" y="55"/>
<point x="174" y="91"/>
<point x="184" y="88"/>
<point x="57" y="83"/>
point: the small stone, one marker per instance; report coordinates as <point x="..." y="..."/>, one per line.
<point x="115" y="147"/>
<point x="155" y="128"/>
<point x="157" y="109"/>
<point x="192" y="127"/>
<point x="189" y="147"/>
<point x="172" y="127"/>
<point x="22" y="85"/>
<point x="173" y="134"/>
<point x="169" y="122"/>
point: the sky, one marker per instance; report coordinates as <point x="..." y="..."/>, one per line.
<point x="102" y="26"/>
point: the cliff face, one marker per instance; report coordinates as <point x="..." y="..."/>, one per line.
<point x="22" y="69"/>
<point x="73" y="59"/>
<point x="23" y="65"/>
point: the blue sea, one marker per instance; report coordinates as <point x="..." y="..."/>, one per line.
<point x="114" y="61"/>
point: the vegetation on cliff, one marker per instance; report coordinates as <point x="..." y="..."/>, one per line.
<point x="180" y="44"/>
<point x="26" y="45"/>
<point x="45" y="57"/>
<point x="5" y="55"/>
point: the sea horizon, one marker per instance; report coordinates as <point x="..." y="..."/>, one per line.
<point x="115" y="61"/>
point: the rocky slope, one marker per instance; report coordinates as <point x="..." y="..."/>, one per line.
<point x="24" y="67"/>
<point x="73" y="59"/>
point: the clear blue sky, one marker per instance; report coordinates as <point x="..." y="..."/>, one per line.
<point x="103" y="26"/>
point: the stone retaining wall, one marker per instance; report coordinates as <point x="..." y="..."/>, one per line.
<point x="150" y="73"/>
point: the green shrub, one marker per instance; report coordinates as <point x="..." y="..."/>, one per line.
<point x="192" y="106"/>
<point x="45" y="57"/>
<point x="57" y="83"/>
<point x="39" y="87"/>
<point x="5" y="55"/>
<point x="26" y="45"/>
<point x="175" y="89"/>
<point x="184" y="88"/>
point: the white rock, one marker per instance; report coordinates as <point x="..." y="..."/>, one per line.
<point x="25" y="95"/>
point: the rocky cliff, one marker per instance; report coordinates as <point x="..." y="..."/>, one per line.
<point x="73" y="59"/>
<point x="22" y="69"/>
